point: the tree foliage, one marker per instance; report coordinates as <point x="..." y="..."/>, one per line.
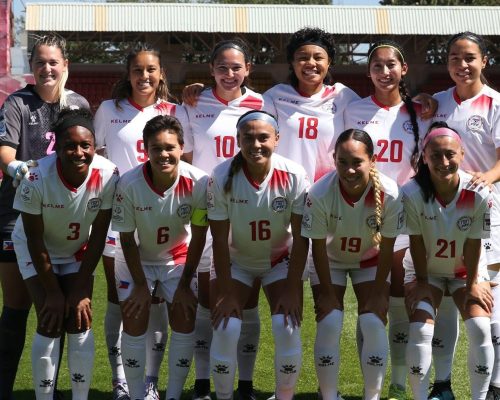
<point x="440" y="2"/>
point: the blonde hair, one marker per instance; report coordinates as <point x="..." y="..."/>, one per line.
<point x="374" y="177"/>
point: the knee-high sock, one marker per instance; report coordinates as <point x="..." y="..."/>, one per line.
<point x="327" y="352"/>
<point x="445" y="338"/>
<point x="480" y="355"/>
<point x="248" y="344"/>
<point x="156" y="338"/>
<point x="113" y="334"/>
<point x="287" y="356"/>
<point x="223" y="357"/>
<point x="495" y="328"/>
<point x="80" y="362"/>
<point x="12" y="335"/>
<point x="418" y="358"/>
<point x="180" y="354"/>
<point x="134" y="357"/>
<point x="373" y="355"/>
<point x="44" y="361"/>
<point x="203" y="339"/>
<point x="398" y="338"/>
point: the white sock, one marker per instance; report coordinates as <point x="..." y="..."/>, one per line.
<point x="44" y="362"/>
<point x="418" y="358"/>
<point x="327" y="352"/>
<point x="287" y="356"/>
<point x="113" y="333"/>
<point x="156" y="338"/>
<point x="134" y="357"/>
<point x="398" y="338"/>
<point x="373" y="355"/>
<point x="248" y="344"/>
<point x="180" y="355"/>
<point x="203" y="339"/>
<point x="480" y="355"/>
<point x="81" y="362"/>
<point x="223" y="357"/>
<point x="445" y="339"/>
<point x="495" y="328"/>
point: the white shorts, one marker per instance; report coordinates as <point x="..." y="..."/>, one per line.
<point x="109" y="247"/>
<point x="440" y="282"/>
<point x="28" y="270"/>
<point x="206" y="259"/>
<point x="247" y="276"/>
<point x="339" y="276"/>
<point x="164" y="278"/>
<point x="491" y="246"/>
<point x="402" y="242"/>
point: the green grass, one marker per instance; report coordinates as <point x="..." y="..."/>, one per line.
<point x="350" y="382"/>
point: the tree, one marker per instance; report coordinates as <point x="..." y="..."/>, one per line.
<point x="440" y="2"/>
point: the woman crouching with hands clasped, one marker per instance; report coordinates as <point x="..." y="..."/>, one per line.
<point x="353" y="216"/>
<point x="446" y="221"/>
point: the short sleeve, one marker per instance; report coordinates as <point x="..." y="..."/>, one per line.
<point x="393" y="216"/>
<point x="123" y="217"/>
<point x="199" y="216"/>
<point x="269" y="105"/>
<point x="411" y="216"/>
<point x="314" y="218"/>
<point x="28" y="198"/>
<point x="480" y="227"/>
<point x="300" y="197"/>
<point x="216" y="200"/>
<point x="10" y="123"/>
<point x="188" y="132"/>
<point x="100" y="126"/>
<point x="109" y="191"/>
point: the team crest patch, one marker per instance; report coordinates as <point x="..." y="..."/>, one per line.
<point x="408" y="127"/>
<point x="371" y="221"/>
<point x="118" y="213"/>
<point x="210" y="200"/>
<point x="279" y="204"/>
<point x="184" y="211"/>
<point x="464" y="223"/>
<point x="26" y="193"/>
<point x="475" y="123"/>
<point x="94" y="204"/>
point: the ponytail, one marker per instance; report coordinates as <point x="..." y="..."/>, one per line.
<point x="236" y="165"/>
<point x="374" y="177"/>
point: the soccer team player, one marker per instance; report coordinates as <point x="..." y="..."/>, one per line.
<point x="290" y="171"/>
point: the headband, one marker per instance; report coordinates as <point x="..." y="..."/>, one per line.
<point x="386" y="45"/>
<point x="441" y="132"/>
<point x="317" y="42"/>
<point x="76" y="120"/>
<point x="225" y="46"/>
<point x="258" y="116"/>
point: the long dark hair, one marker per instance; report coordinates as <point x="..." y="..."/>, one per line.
<point x="473" y="38"/>
<point x="236" y="44"/>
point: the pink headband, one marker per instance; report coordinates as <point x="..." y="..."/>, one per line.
<point x="441" y="132"/>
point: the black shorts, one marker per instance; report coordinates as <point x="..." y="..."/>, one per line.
<point x="7" y="253"/>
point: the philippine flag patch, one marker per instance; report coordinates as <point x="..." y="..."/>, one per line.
<point x="8" y="245"/>
<point x="111" y="241"/>
<point x="124" y="285"/>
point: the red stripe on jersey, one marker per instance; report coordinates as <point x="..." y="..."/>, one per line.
<point x="252" y="102"/>
<point x="219" y="98"/>
<point x="279" y="180"/>
<point x="184" y="186"/>
<point x="68" y="185"/>
<point x="148" y="180"/>
<point x="371" y="262"/>
<point x="370" y="198"/>
<point x="94" y="184"/>
<point x="456" y="97"/>
<point x="179" y="253"/>
<point x="81" y="252"/>
<point x="252" y="182"/>
<point x="328" y="91"/>
<point x="482" y="103"/>
<point x="460" y="272"/>
<point x="165" y="108"/>
<point x="379" y="104"/>
<point x="466" y="199"/>
<point x="134" y="104"/>
<point x="279" y="258"/>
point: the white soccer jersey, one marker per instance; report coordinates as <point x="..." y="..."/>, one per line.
<point x="347" y="226"/>
<point x="309" y="126"/>
<point x="391" y="131"/>
<point x="120" y="130"/>
<point x="67" y="212"/>
<point x="445" y="228"/>
<point x="212" y="133"/>
<point x="162" y="220"/>
<point x="260" y="235"/>
<point x="477" y="120"/>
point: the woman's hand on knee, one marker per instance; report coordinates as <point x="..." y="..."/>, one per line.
<point x="138" y="301"/>
<point x="51" y="316"/>
<point x="226" y="306"/>
<point x="480" y="293"/>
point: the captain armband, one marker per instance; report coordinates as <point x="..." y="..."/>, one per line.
<point x="199" y="217"/>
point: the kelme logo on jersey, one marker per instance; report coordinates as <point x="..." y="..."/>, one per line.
<point x="184" y="211"/>
<point x="118" y="213"/>
<point x="475" y="123"/>
<point x="94" y="204"/>
<point x="408" y="127"/>
<point x="371" y="221"/>
<point x="464" y="223"/>
<point x="279" y="204"/>
<point x="26" y="193"/>
<point x="33" y="119"/>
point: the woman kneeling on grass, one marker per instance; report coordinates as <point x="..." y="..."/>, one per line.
<point x="255" y="202"/>
<point x="70" y="192"/>
<point x="446" y="221"/>
<point x="163" y="202"/>
<point x="353" y="216"/>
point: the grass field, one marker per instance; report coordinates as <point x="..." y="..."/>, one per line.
<point x="351" y="385"/>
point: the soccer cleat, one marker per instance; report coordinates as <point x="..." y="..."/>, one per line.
<point x="396" y="392"/>
<point x="152" y="391"/>
<point x="58" y="395"/>
<point x="120" y="391"/>
<point x="320" y="396"/>
<point x="493" y="393"/>
<point x="245" y="391"/>
<point x="441" y="391"/>
<point x="201" y="389"/>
